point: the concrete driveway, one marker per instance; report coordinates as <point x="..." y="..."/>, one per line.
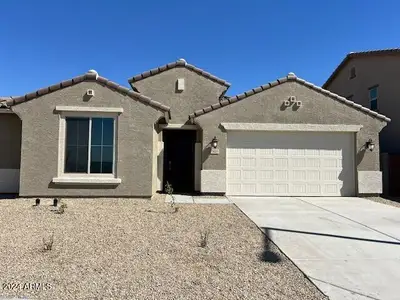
<point x="349" y="247"/>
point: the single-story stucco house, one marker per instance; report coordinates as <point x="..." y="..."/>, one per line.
<point x="89" y="136"/>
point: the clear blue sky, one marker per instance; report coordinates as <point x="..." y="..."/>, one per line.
<point x="247" y="43"/>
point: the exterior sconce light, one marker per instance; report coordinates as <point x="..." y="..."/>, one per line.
<point x="370" y="145"/>
<point x="214" y="142"/>
<point x="214" y="145"/>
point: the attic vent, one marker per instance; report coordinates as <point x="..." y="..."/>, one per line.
<point x="90" y="93"/>
<point x="180" y="84"/>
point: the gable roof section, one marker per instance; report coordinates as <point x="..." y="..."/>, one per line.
<point x="290" y="77"/>
<point x="179" y="63"/>
<point x="93" y="77"/>
<point x="358" y="54"/>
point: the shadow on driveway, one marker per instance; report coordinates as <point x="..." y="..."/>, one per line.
<point x="267" y="229"/>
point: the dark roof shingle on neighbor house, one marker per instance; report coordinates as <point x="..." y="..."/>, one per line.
<point x="290" y="77"/>
<point x="352" y="55"/>
<point x="89" y="76"/>
<point x="179" y="63"/>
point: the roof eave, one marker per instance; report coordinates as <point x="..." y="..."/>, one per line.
<point x="90" y="76"/>
<point x="359" y="54"/>
<point x="178" y="63"/>
<point x="336" y="71"/>
<point x="289" y="77"/>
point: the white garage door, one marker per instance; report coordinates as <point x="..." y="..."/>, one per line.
<point x="290" y="163"/>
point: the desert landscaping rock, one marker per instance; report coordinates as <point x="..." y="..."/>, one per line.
<point x="115" y="249"/>
<point x="395" y="202"/>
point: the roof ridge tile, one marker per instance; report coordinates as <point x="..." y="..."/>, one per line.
<point x="87" y="77"/>
<point x="178" y="63"/>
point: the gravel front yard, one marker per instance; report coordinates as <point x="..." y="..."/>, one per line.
<point x="395" y="202"/>
<point x="138" y="249"/>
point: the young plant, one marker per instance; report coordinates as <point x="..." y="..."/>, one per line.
<point x="48" y="244"/>
<point x="170" y="190"/>
<point x="204" y="234"/>
<point x="62" y="208"/>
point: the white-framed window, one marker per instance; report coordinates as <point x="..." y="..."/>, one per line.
<point x="87" y="145"/>
<point x="373" y="98"/>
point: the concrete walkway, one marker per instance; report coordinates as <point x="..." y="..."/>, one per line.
<point x="185" y="199"/>
<point x="349" y="247"/>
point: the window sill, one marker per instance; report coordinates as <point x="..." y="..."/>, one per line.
<point x="86" y="181"/>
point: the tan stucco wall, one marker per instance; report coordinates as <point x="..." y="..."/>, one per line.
<point x="265" y="107"/>
<point x="40" y="130"/>
<point x="10" y="141"/>
<point x="373" y="70"/>
<point x="199" y="92"/>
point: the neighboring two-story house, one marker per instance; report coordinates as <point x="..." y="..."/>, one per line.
<point x="371" y="78"/>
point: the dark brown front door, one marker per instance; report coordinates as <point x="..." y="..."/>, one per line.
<point x="179" y="148"/>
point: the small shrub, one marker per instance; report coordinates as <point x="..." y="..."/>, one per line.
<point x="48" y="244"/>
<point x="169" y="190"/>
<point x="61" y="208"/>
<point x="204" y="238"/>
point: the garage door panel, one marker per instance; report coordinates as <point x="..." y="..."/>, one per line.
<point x="299" y="188"/>
<point x="265" y="188"/>
<point x="311" y="175"/>
<point x="266" y="162"/>
<point x="285" y="163"/>
<point x="314" y="162"/>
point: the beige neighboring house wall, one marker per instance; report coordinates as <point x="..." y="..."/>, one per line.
<point x="371" y="70"/>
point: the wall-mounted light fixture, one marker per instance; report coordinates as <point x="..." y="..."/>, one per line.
<point x="370" y="145"/>
<point x="214" y="145"/>
<point x="214" y="142"/>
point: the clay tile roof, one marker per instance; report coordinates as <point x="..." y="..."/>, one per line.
<point x="179" y="63"/>
<point x="89" y="76"/>
<point x="3" y="102"/>
<point x="359" y="54"/>
<point x="290" y="77"/>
